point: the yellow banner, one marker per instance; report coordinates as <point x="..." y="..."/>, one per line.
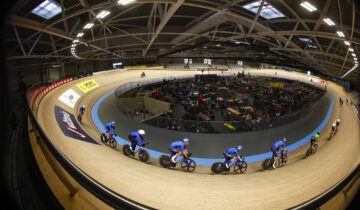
<point x="228" y="125"/>
<point x="277" y="85"/>
<point x="88" y="85"/>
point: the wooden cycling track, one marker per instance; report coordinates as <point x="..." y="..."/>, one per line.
<point x="160" y="188"/>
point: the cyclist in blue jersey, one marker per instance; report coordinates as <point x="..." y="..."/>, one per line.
<point x="276" y="148"/>
<point x="231" y="154"/>
<point x="179" y="147"/>
<point x="110" y="129"/>
<point x="137" y="139"/>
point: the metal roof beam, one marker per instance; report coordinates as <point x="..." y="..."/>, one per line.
<point x="163" y="22"/>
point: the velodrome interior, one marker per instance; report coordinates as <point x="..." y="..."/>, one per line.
<point x="92" y="51"/>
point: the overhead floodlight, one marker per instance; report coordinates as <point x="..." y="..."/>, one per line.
<point x="308" y="6"/>
<point x="89" y="25"/>
<point x="80" y="34"/>
<point x="340" y="34"/>
<point x="103" y="14"/>
<point x="47" y="9"/>
<point x="351" y="49"/>
<point x="125" y="2"/>
<point x="353" y="54"/>
<point x="355" y="59"/>
<point x="329" y="21"/>
<point x="76" y="41"/>
<point x="347" y="43"/>
<point x="73" y="45"/>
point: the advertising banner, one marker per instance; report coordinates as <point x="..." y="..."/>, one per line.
<point x="69" y="98"/>
<point x="87" y="85"/>
<point x="70" y="127"/>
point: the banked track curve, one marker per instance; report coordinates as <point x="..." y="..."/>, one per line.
<point x="169" y="189"/>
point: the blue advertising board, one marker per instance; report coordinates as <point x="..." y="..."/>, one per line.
<point x="70" y="126"/>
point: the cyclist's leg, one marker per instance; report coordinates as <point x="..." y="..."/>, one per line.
<point x="173" y="153"/>
<point x="275" y="156"/>
<point x="173" y="159"/>
<point x="108" y="135"/>
<point x="227" y="159"/>
<point x="133" y="144"/>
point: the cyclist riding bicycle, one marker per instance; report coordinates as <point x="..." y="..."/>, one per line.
<point x="314" y="139"/>
<point x="179" y="147"/>
<point x="137" y="139"/>
<point x="337" y="122"/>
<point x="231" y="154"/>
<point x="110" y="129"/>
<point x="277" y="148"/>
<point x="333" y="127"/>
<point x="82" y="109"/>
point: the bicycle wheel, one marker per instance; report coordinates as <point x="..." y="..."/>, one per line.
<point x="240" y="167"/>
<point x="126" y="150"/>
<point x="188" y="165"/>
<point x="144" y="156"/>
<point x="216" y="168"/>
<point x="316" y="146"/>
<point x="165" y="161"/>
<point x="308" y="152"/>
<point x="267" y="163"/>
<point x="103" y="138"/>
<point x="112" y="143"/>
<point x="283" y="161"/>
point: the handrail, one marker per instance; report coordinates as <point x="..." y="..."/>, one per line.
<point x="105" y="194"/>
<point x="321" y="199"/>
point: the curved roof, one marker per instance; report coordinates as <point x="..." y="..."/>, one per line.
<point x="192" y="28"/>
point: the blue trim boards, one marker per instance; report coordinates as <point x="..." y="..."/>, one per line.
<point x="209" y="161"/>
<point x="70" y="127"/>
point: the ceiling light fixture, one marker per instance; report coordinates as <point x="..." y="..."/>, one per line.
<point x="76" y="41"/>
<point x="329" y="21"/>
<point x="340" y="34"/>
<point x="125" y="2"/>
<point x="351" y="49"/>
<point x="308" y="6"/>
<point x="103" y="14"/>
<point x="80" y="34"/>
<point x="347" y="43"/>
<point x="89" y="25"/>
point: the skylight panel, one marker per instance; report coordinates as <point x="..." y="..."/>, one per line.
<point x="47" y="9"/>
<point x="267" y="12"/>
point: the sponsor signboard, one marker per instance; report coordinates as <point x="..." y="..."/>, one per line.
<point x="69" y="98"/>
<point x="70" y="127"/>
<point x="87" y="85"/>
